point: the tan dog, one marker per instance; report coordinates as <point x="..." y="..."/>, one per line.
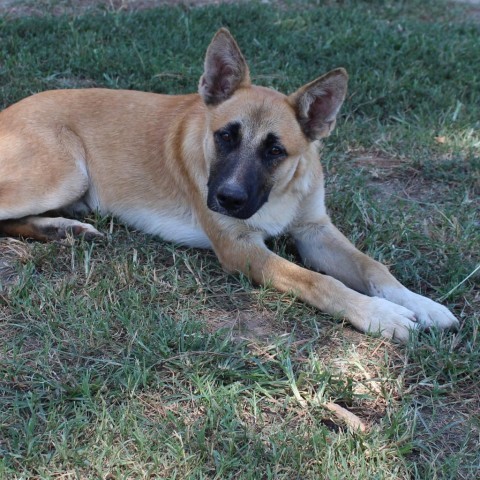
<point x="223" y="169"/>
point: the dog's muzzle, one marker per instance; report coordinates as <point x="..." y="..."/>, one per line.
<point x="230" y="199"/>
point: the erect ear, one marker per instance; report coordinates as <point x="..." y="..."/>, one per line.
<point x="225" y="69"/>
<point x="318" y="103"/>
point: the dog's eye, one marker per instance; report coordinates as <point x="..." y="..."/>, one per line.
<point x="275" y="151"/>
<point x="226" y="137"/>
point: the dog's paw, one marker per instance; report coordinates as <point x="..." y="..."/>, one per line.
<point x="59" y="228"/>
<point x="85" y="230"/>
<point x="427" y="312"/>
<point x="430" y="313"/>
<point x="388" y="319"/>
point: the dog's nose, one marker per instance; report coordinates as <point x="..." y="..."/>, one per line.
<point x="232" y="197"/>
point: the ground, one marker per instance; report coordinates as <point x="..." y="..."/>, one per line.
<point x="131" y="358"/>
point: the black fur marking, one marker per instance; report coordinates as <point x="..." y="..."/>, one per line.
<point x="228" y="138"/>
<point x="239" y="181"/>
<point x="272" y="151"/>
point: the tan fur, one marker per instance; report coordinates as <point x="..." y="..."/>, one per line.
<point x="146" y="158"/>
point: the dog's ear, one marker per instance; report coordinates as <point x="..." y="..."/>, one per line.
<point x="317" y="103"/>
<point x="225" y="69"/>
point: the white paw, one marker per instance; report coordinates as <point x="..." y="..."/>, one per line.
<point x="430" y="313"/>
<point x="85" y="229"/>
<point x="427" y="312"/>
<point x="388" y="319"/>
<point x="58" y="228"/>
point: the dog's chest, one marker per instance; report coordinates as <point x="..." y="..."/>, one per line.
<point x="173" y="224"/>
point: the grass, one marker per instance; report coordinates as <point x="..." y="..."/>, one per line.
<point x="133" y="358"/>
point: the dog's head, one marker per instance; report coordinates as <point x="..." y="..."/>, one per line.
<point x="256" y="136"/>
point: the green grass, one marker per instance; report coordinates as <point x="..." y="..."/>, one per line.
<point x="132" y="358"/>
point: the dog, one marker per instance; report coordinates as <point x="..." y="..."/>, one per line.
<point x="225" y="168"/>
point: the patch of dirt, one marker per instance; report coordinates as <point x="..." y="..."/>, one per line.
<point x="246" y="324"/>
<point x="413" y="188"/>
<point x="394" y="177"/>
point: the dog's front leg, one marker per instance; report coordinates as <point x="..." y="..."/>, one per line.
<point x="249" y="255"/>
<point x="325" y="249"/>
